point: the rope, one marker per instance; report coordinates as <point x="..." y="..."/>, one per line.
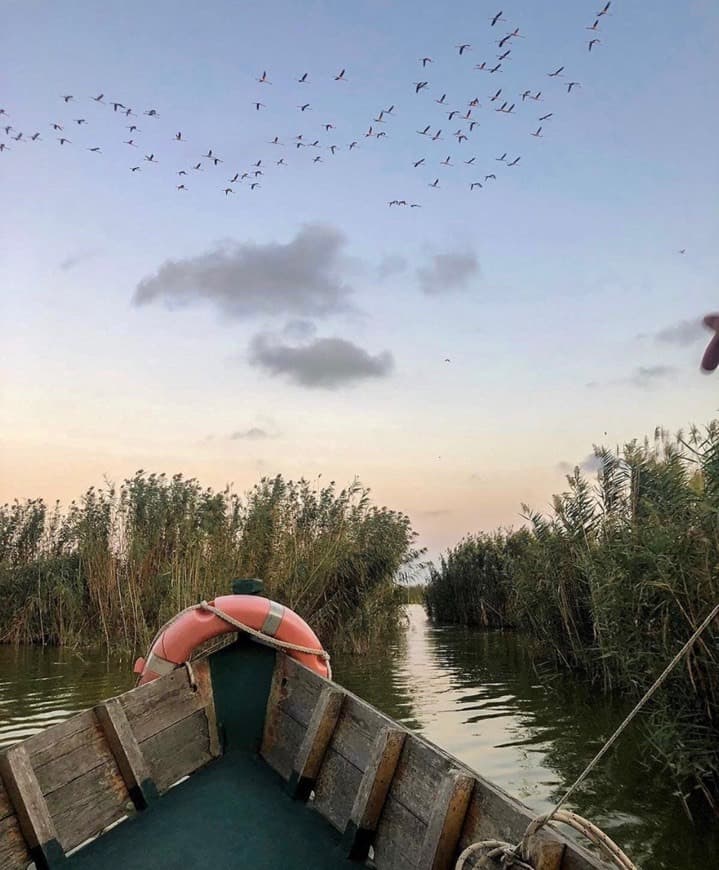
<point x="509" y="854"/>
<point x="240" y="626"/>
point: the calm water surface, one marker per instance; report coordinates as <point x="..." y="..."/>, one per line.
<point x="474" y="693"/>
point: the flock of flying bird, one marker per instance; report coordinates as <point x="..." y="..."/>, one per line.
<point x="501" y="101"/>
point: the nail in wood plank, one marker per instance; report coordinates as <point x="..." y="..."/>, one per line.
<point x="445" y="824"/>
<point x="316" y="740"/>
<point x="372" y="792"/>
<point x="30" y="806"/>
<point x="126" y="751"/>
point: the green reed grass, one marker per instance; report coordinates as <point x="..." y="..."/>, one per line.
<point x="612" y="583"/>
<point x="120" y="561"/>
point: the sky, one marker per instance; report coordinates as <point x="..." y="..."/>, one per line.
<point x="303" y="327"/>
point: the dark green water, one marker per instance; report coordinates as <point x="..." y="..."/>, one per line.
<point x="474" y="693"/>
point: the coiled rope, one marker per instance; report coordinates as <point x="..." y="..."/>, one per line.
<point x="240" y="626"/>
<point x="517" y="855"/>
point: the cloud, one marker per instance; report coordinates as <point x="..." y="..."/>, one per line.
<point x="647" y="376"/>
<point x="390" y="264"/>
<point x="254" y="433"/>
<point x="76" y="259"/>
<point x="589" y="464"/>
<point x="684" y="333"/>
<point x="324" y="363"/>
<point x="302" y="277"/>
<point x="448" y="272"/>
<point x="299" y="329"/>
<point x="435" y="514"/>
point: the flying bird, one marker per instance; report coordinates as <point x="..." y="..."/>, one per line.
<point x="254" y="185"/>
<point x="236" y="177"/>
<point x="605" y="10"/>
<point x="419" y="162"/>
<point x="63" y="141"/>
<point x="133" y="129"/>
<point x="555" y="73"/>
<point x="571" y="85"/>
<point x="425" y="131"/>
<point x="470" y="161"/>
<point x="182" y="172"/>
<point x="135" y="169"/>
<point x="537" y="133"/>
<point x="515" y="161"/>
<point x="682" y="251"/>
<point x="537" y="96"/>
<point x="35" y="137"/>
<point x="259" y="106"/>
<point x="425" y="60"/>
<point x="178" y="136"/>
<point x="18" y="137"/>
<point x="98" y="98"/>
<point x="181" y="187"/>
<point x="496" y="68"/>
<point x="198" y="167"/>
<point x="228" y="190"/>
<point x="304" y="107"/>
<point x="436" y="136"/>
<point x="328" y="127"/>
<point x="594" y="42"/>
<point x="471" y="187"/>
<point x="152" y="113"/>
<point x="447" y="162"/>
<point x="492" y="176"/>
<point x="3" y="147"/>
<point x="442" y="100"/>
<point x="340" y="77"/>
<point x="497" y="17"/>
<point x="505" y="55"/>
<point x="418" y="86"/>
<point x="435" y="183"/>
<point x="116" y="106"/>
<point x="80" y="121"/>
<point x="352" y="145"/>
<point x="502" y="158"/>
<point x="504" y="40"/>
<point x="96" y="150"/>
<point x="525" y="94"/>
<point x="209" y="154"/>
<point x="496" y="96"/>
<point x="594" y="26"/>
<point x="68" y="97"/>
<point x="463" y="47"/>
<point x="150" y="158"/>
<point x="546" y="117"/>
<point x="263" y="79"/>
<point x="482" y="65"/>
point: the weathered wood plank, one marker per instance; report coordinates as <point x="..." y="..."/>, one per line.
<point x="280" y="746"/>
<point x="445" y="825"/>
<point x="336" y="788"/>
<point x="6" y="807"/>
<point x="204" y="690"/>
<point x="14" y="854"/>
<point x="157" y="705"/>
<point x="126" y="751"/>
<point x="314" y="744"/>
<point x="178" y="750"/>
<point x="495" y="815"/>
<point x="420" y="770"/>
<point x="78" y="753"/>
<point x="32" y="811"/>
<point x="372" y="792"/>
<point x="301" y="691"/>
<point x="357" y="731"/>
<point x="86" y="805"/>
<point x="398" y="838"/>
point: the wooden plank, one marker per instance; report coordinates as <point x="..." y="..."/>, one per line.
<point x="357" y="731"/>
<point x="495" y="815"/>
<point x="86" y="805"/>
<point x="14" y="853"/>
<point x="126" y="751"/>
<point x="157" y="705"/>
<point x="281" y="743"/>
<point x="315" y="742"/>
<point x="32" y="812"/>
<point x="398" y="838"/>
<point x="204" y="689"/>
<point x="178" y="750"/>
<point x="336" y="788"/>
<point x="301" y="691"/>
<point x="372" y="792"/>
<point x="420" y="770"/>
<point x="439" y="846"/>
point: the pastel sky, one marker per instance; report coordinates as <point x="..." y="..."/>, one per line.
<point x="302" y="327"/>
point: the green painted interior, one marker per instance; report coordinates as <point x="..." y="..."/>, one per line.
<point x="233" y="813"/>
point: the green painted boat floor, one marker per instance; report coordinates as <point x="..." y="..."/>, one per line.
<point x="233" y="813"/>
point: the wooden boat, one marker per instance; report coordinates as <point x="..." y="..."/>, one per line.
<point x="246" y="758"/>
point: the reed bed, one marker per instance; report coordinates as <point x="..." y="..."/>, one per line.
<point x="611" y="584"/>
<point x="120" y="561"/>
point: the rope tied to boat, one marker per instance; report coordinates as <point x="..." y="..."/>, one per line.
<point x="260" y="636"/>
<point x="266" y="638"/>
<point x="517" y="855"/>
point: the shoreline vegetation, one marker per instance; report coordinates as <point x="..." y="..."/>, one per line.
<point x="120" y="561"/>
<point x="610" y="585"/>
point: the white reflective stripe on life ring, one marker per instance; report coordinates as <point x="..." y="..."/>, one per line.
<point x="273" y="619"/>
<point x="158" y="665"/>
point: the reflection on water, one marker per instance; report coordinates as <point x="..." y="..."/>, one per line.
<point x="474" y="693"/>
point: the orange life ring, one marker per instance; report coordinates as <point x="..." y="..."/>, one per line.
<point x="176" y="643"/>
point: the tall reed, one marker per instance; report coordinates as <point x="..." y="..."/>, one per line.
<point x="612" y="583"/>
<point x="120" y="561"/>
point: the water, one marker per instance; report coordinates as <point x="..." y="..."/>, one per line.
<point x="474" y="693"/>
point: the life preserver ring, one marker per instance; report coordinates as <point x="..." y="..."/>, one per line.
<point x="177" y="641"/>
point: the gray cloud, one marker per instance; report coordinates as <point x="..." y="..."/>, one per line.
<point x="684" y="333"/>
<point x="76" y="259"/>
<point x="448" y="272"/>
<point x="390" y="264"/>
<point x="589" y="464"/>
<point x="254" y="433"/>
<point x="299" y="329"/>
<point x="325" y="363"/>
<point x="301" y="277"/>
